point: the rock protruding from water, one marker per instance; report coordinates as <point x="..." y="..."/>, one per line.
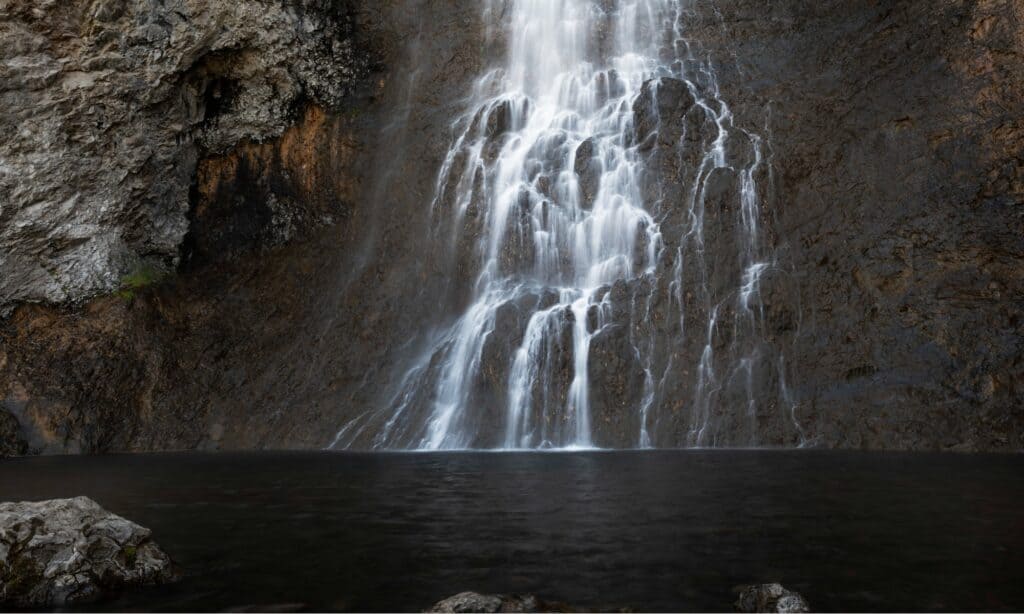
<point x="70" y="551"/>
<point x="476" y="602"/>
<point x="770" y="598"/>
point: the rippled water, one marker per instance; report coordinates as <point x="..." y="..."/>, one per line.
<point x="659" y="531"/>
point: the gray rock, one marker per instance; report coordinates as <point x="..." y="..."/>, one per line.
<point x="469" y="602"/>
<point x="770" y="598"/>
<point x="476" y="602"/>
<point x="69" y="551"/>
<point x="107" y="107"/>
<point x="281" y="608"/>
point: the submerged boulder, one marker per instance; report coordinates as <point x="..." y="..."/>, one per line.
<point x="770" y="598"/>
<point x="476" y="602"/>
<point x="69" y="551"/>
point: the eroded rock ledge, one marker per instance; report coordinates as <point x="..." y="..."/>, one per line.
<point x="108" y="106"/>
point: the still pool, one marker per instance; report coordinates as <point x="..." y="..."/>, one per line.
<point x="649" y="531"/>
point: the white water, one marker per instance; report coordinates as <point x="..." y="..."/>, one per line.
<point x="516" y="213"/>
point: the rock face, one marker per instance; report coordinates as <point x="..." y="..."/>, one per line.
<point x="893" y="189"/>
<point x="72" y="551"/>
<point x="896" y="136"/>
<point x="11" y="441"/>
<point x="310" y="238"/>
<point x="770" y="598"/>
<point x="107" y="107"/>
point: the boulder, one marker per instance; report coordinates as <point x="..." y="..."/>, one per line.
<point x="71" y="551"/>
<point x="476" y="602"/>
<point x="770" y="598"/>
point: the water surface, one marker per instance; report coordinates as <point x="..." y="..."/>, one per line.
<point x="654" y="531"/>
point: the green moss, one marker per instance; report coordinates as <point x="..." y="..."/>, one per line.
<point x="140" y="278"/>
<point x="143" y="276"/>
<point x="130" y="554"/>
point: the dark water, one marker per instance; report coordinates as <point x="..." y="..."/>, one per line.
<point x="650" y="531"/>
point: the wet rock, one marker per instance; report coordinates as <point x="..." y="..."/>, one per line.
<point x="518" y="249"/>
<point x="722" y="228"/>
<point x="616" y="386"/>
<point x="610" y="86"/>
<point x="500" y="119"/>
<point x="661" y="109"/>
<point x="476" y="602"/>
<point x="770" y="598"/>
<point x="273" y="608"/>
<point x="496" y="357"/>
<point x="588" y="172"/>
<point x="71" y="551"/>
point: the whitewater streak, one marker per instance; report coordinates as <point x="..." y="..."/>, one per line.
<point x="541" y="198"/>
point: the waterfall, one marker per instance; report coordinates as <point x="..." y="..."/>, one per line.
<point x="598" y="217"/>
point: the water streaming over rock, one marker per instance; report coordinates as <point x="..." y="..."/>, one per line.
<point x="599" y="216"/>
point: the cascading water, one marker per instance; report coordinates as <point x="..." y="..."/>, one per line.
<point x="572" y="214"/>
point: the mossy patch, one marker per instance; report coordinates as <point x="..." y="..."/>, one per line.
<point x="131" y="554"/>
<point x="141" y="277"/>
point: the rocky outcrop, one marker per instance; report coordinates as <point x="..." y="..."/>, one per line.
<point x="72" y="551"/>
<point x="770" y="598"/>
<point x="108" y="106"/>
<point x="286" y="299"/>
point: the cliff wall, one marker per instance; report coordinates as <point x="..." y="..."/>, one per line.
<point x="211" y="214"/>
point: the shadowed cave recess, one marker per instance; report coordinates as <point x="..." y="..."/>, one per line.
<point x="545" y="224"/>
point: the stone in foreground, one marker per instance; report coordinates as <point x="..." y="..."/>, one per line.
<point x="69" y="551"/>
<point x="770" y="598"/>
<point x="488" y="604"/>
